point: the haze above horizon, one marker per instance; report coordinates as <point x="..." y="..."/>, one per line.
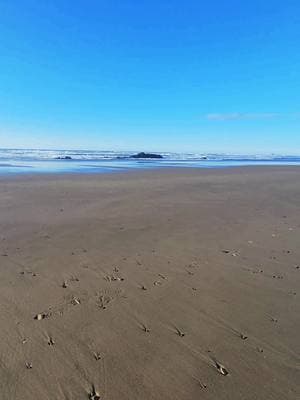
<point x="155" y="76"/>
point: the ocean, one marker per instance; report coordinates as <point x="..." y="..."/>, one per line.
<point x="17" y="161"/>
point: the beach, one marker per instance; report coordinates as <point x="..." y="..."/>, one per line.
<point x="171" y="284"/>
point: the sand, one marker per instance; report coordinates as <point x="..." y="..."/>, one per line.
<point x="168" y="284"/>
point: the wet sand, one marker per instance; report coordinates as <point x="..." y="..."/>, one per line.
<point x="175" y="284"/>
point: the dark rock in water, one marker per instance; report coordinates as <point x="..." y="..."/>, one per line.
<point x="146" y="155"/>
<point x="63" y="158"/>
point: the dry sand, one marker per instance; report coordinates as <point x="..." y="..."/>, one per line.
<point x="151" y="285"/>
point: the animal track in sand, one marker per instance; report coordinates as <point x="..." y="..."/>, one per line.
<point x="260" y="350"/>
<point x="190" y="272"/>
<point x="94" y="395"/>
<point x="201" y="384"/>
<point x="162" y="276"/>
<point x="97" y="356"/>
<point x="28" y="272"/>
<point x="75" y="301"/>
<point x="51" y="341"/>
<point x="104" y="298"/>
<point x="233" y="253"/>
<point x="145" y="328"/>
<point x="74" y="278"/>
<point x="179" y="332"/>
<point x="277" y="276"/>
<point x="44" y="315"/>
<point x="103" y="301"/>
<point x="113" y="278"/>
<point x="221" y="369"/>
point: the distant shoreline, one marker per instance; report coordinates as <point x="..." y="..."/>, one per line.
<point x="34" y="162"/>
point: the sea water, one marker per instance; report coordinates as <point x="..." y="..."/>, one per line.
<point x="16" y="161"/>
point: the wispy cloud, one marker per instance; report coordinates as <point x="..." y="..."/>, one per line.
<point x="236" y="116"/>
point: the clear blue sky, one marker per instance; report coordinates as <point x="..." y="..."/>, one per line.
<point x="151" y="75"/>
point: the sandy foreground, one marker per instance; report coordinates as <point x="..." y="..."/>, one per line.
<point x="151" y="285"/>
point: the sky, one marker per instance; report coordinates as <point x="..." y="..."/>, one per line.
<point x="192" y="75"/>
